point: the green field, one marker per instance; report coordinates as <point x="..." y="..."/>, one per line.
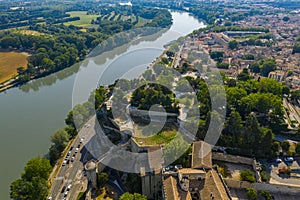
<point x="9" y="62"/>
<point x="85" y="20"/>
<point x="163" y="137"/>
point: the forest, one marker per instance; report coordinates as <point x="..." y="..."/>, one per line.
<point x="57" y="46"/>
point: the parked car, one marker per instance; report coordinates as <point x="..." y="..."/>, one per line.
<point x="278" y="160"/>
<point x="63" y="189"/>
<point x="288" y="159"/>
<point x="69" y="187"/>
<point x="73" y="158"/>
<point x="76" y="150"/>
<point x="66" y="194"/>
<point x="64" y="163"/>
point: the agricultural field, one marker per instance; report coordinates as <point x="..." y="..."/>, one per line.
<point x="85" y="20"/>
<point x="136" y="20"/>
<point x="9" y="62"/>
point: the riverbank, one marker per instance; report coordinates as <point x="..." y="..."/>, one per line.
<point x="10" y="61"/>
<point x="38" y="108"/>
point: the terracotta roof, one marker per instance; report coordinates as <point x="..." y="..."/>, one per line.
<point x="185" y="195"/>
<point x="191" y="171"/>
<point x="213" y="187"/>
<point x="170" y="189"/>
<point x="201" y="157"/>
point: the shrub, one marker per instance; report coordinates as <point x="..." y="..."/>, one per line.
<point x="266" y="195"/>
<point x="248" y="175"/>
<point x="251" y="193"/>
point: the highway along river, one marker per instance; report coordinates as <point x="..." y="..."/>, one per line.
<point x="31" y="114"/>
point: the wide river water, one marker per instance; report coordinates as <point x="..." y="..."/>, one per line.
<point x="31" y="114"/>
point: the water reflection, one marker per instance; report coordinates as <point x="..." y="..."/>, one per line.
<point x="101" y="58"/>
<point x="31" y="113"/>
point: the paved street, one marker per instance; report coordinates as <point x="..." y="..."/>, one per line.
<point x="294" y="114"/>
<point x="72" y="172"/>
<point x="282" y="138"/>
<point x="276" y="179"/>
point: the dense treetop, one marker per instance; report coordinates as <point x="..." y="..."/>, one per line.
<point x="55" y="46"/>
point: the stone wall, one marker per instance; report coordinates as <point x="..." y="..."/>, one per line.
<point x="273" y="188"/>
<point x="232" y="158"/>
<point x="138" y="148"/>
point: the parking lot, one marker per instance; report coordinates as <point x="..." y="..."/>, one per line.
<point x="285" y="179"/>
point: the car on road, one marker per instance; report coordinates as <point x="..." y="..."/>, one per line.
<point x="64" y="163"/>
<point x="288" y="159"/>
<point x="69" y="187"/>
<point x="66" y="194"/>
<point x="63" y="189"/>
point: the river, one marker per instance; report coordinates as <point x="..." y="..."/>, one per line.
<point x="31" y="114"/>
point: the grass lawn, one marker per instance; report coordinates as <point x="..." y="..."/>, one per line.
<point x="163" y="137"/>
<point x="9" y="62"/>
<point x="85" y="20"/>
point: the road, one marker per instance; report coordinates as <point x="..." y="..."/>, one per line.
<point x="177" y="58"/>
<point x="293" y="110"/>
<point x="282" y="138"/>
<point x="72" y="172"/>
<point x="275" y="179"/>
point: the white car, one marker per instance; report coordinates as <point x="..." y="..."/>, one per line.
<point x="66" y="194"/>
<point x="288" y="159"/>
<point x="64" y="163"/>
<point x="72" y="159"/>
<point x="69" y="187"/>
<point x="278" y="160"/>
<point x="76" y="150"/>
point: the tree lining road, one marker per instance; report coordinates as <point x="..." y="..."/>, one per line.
<point x="67" y="174"/>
